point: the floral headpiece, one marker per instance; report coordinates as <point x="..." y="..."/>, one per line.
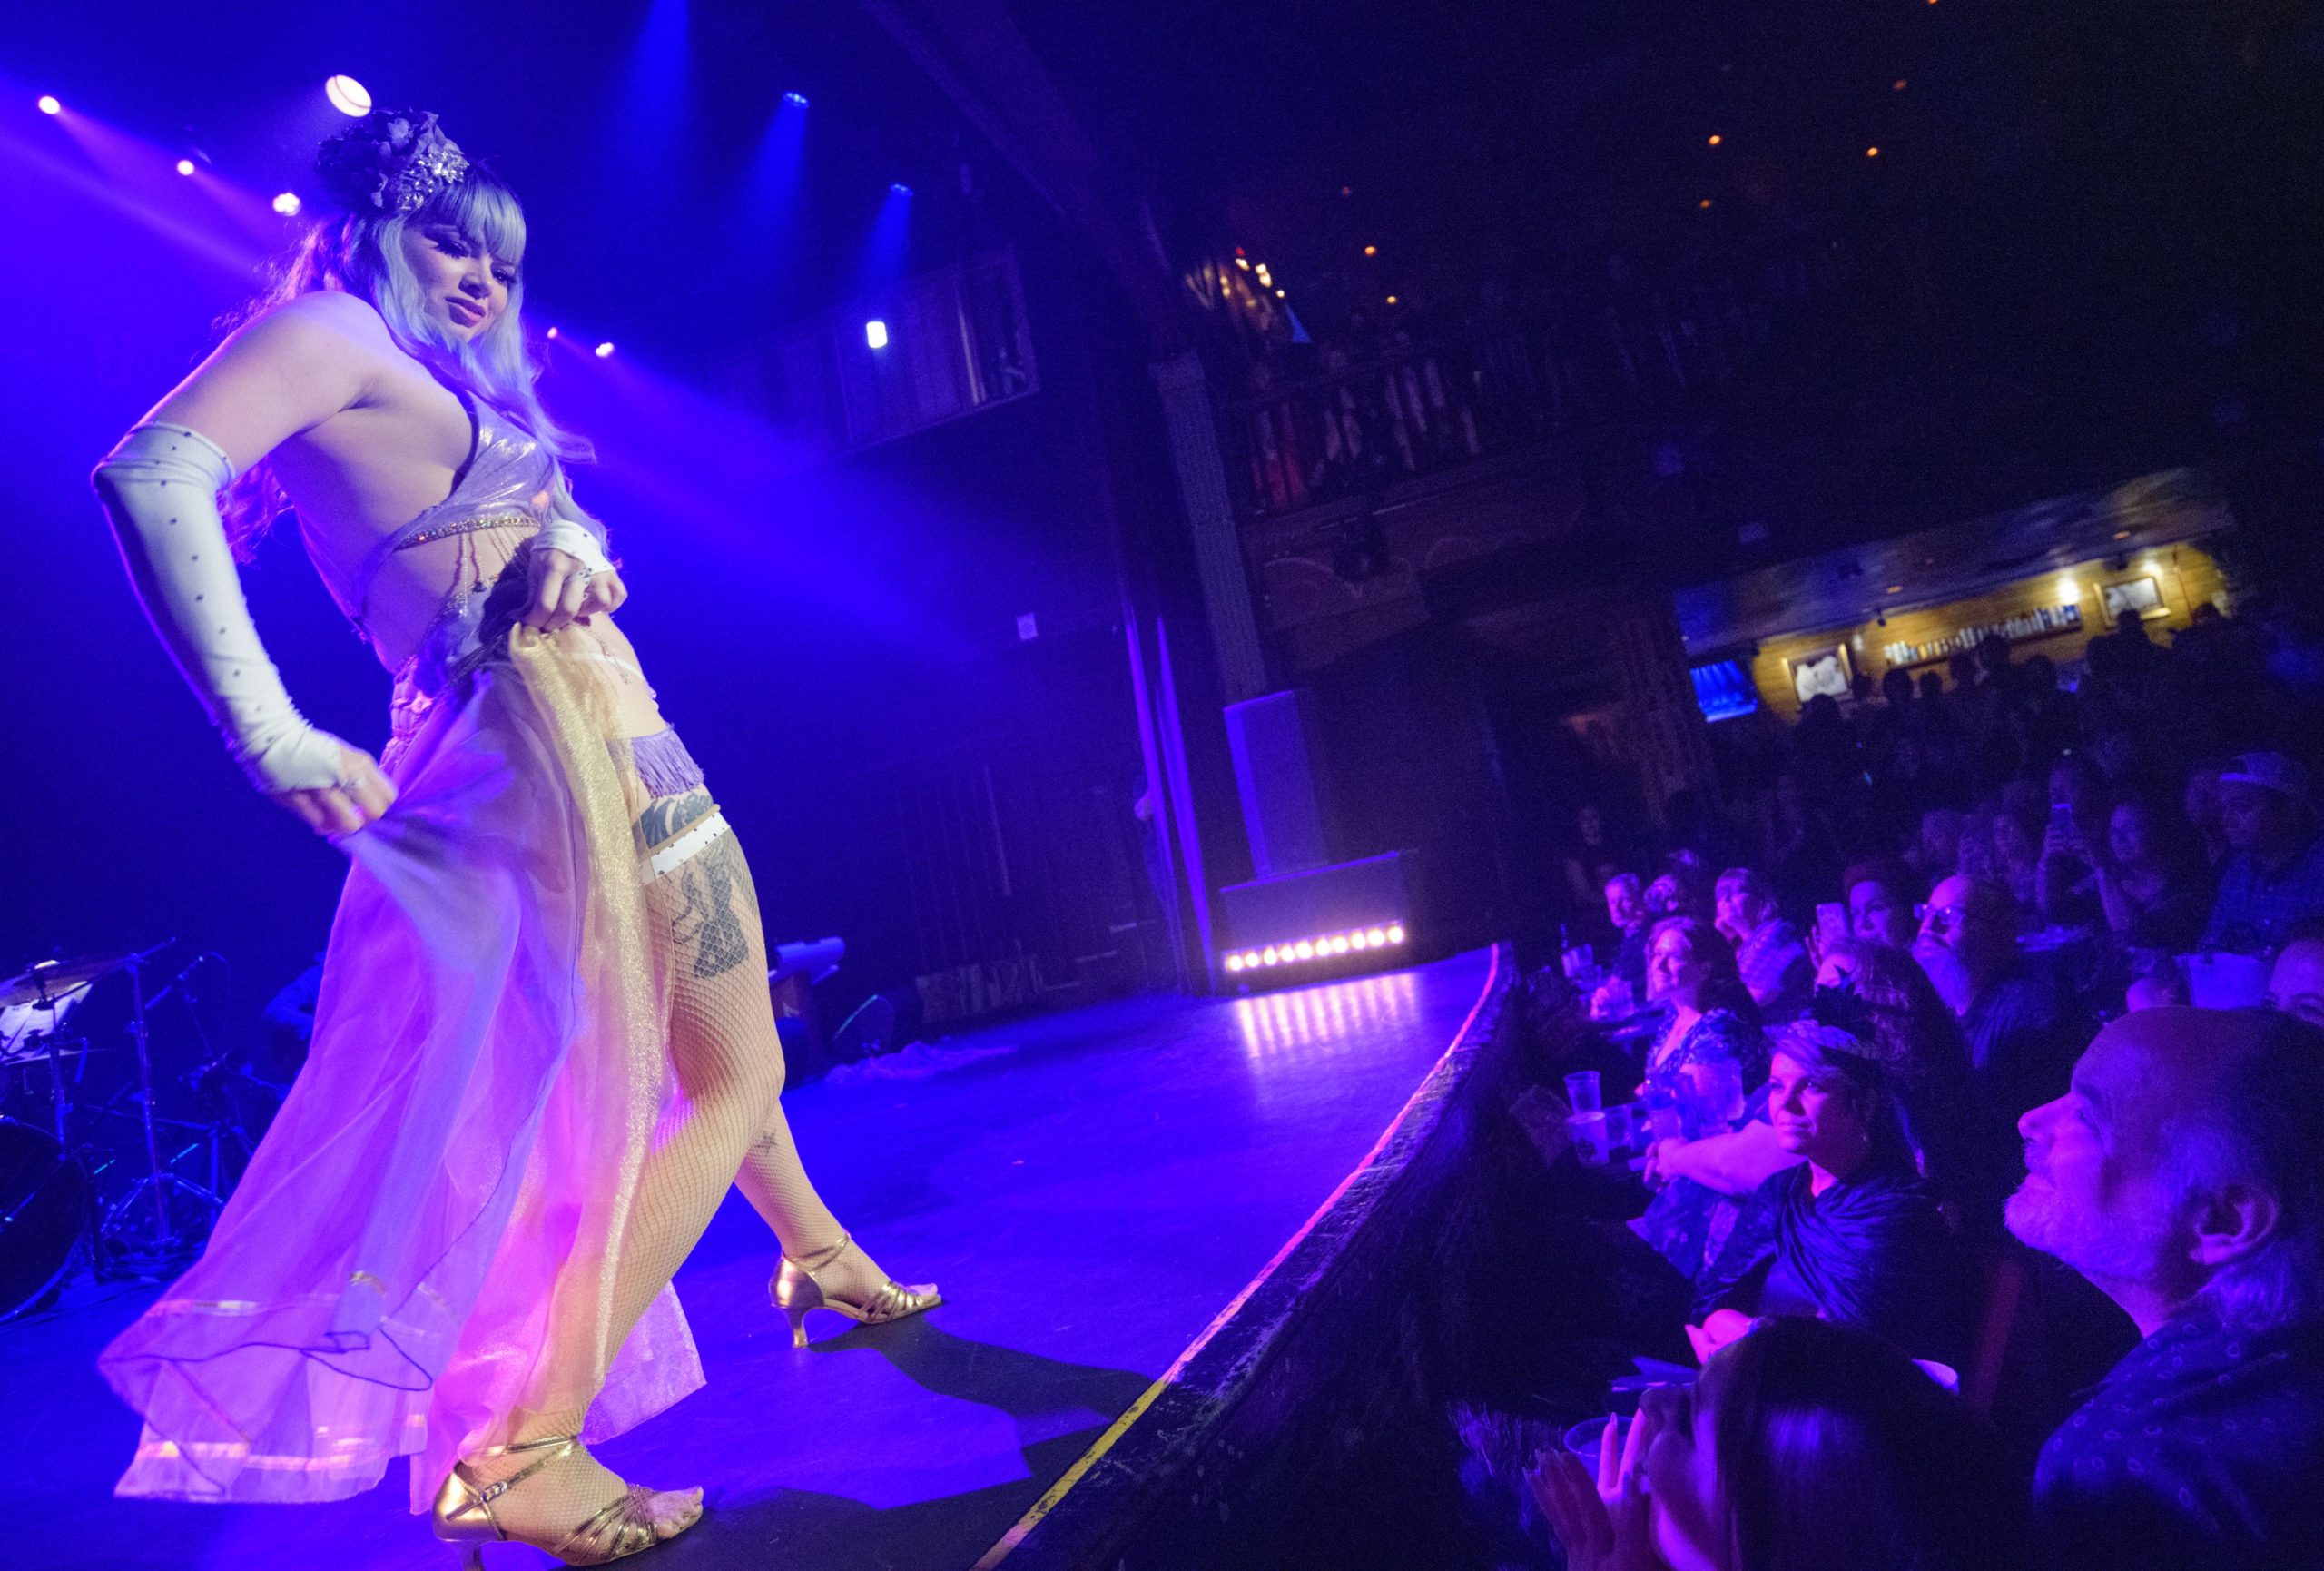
<point x="390" y="162"/>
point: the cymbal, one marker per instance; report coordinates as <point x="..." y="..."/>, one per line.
<point x="55" y="978"/>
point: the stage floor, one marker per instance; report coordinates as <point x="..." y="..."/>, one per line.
<point x="1090" y="1190"/>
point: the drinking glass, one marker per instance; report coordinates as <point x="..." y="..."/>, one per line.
<point x="1581" y="1093"/>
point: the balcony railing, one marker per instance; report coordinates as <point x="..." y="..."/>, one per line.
<point x="1629" y="356"/>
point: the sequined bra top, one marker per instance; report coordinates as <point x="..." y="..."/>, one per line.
<point x="505" y="484"/>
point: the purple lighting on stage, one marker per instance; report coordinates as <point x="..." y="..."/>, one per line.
<point x="49" y="106"/>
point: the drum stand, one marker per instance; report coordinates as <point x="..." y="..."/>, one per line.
<point x="163" y="1217"/>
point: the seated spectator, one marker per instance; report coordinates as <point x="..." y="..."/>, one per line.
<point x="2296" y="986"/>
<point x="1684" y="888"/>
<point x="2204" y="815"/>
<point x="1963" y="1152"/>
<point x="2013" y="832"/>
<point x="1626" y="912"/>
<point x="1592" y="860"/>
<point x="1767" y="949"/>
<point x="2273" y="878"/>
<point x="2183" y="1175"/>
<point x="2020" y="1041"/>
<point x="2073" y="842"/>
<point x="1711" y="1041"/>
<point x="2151" y="885"/>
<point x="1856" y="1238"/>
<point x="1881" y="896"/>
<point x="1937" y="853"/>
<point x="1805" y="1446"/>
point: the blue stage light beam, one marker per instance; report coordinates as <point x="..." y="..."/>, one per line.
<point x="651" y="119"/>
<point x="770" y="195"/>
<point x="885" y="251"/>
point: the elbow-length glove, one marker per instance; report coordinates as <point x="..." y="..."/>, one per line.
<point x="160" y="488"/>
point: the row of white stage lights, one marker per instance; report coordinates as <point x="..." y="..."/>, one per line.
<point x="1324" y="946"/>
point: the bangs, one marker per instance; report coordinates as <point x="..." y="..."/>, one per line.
<point x="482" y="208"/>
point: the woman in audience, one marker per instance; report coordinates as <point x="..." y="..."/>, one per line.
<point x="1713" y="1033"/>
<point x="1805" y="1446"/>
<point x="1881" y="896"/>
<point x="1858" y="1237"/>
<point x="2151" y="882"/>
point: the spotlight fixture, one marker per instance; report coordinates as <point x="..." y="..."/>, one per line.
<point x="1872" y="153"/>
<point x="875" y="334"/>
<point x="1391" y="300"/>
<point x="1280" y="295"/>
<point x="1242" y="261"/>
<point x="900" y="189"/>
<point x="287" y="204"/>
<point x="796" y="100"/>
<point x="1371" y="250"/>
<point x="605" y="350"/>
<point x="185" y="166"/>
<point x="551" y="334"/>
<point x="349" y="96"/>
<point x="1715" y="139"/>
<point x="49" y="106"/>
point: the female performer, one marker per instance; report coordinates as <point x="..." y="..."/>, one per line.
<point x="544" y="1042"/>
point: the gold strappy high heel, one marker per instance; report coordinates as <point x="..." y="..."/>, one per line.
<point x="796" y="1289"/>
<point x="463" y="1512"/>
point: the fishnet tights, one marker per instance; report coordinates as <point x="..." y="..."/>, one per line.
<point x="729" y="1065"/>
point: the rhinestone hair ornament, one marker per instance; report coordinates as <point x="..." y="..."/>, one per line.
<point x="390" y="162"/>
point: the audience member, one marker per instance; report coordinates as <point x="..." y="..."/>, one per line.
<point x="1626" y="912"/>
<point x="1858" y="1238"/>
<point x="2204" y="815"/>
<point x="2296" y="984"/>
<point x="2183" y="1174"/>
<point x="1710" y="1046"/>
<point x="1769" y="952"/>
<point x="2017" y="1027"/>
<point x="1592" y="860"/>
<point x="1803" y="1447"/>
<point x="2273" y="878"/>
<point x="1961" y="1148"/>
<point x="1881" y="894"/>
<point x="1936" y="853"/>
<point x="2153" y="889"/>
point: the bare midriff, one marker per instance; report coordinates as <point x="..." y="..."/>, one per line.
<point x="416" y="584"/>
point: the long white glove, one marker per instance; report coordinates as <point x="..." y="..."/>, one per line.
<point x="160" y="488"/>
<point x="575" y="539"/>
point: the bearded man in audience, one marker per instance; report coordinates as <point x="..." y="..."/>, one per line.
<point x="2183" y="1175"/>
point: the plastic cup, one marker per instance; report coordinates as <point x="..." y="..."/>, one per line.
<point x="1581" y="1093"/>
<point x="1590" y="1147"/>
<point x="1582" y="1440"/>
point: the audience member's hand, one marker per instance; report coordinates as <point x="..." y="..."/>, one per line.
<point x="1658" y="1170"/>
<point x="1604" y="1526"/>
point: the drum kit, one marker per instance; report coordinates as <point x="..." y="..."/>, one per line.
<point x="92" y="1175"/>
